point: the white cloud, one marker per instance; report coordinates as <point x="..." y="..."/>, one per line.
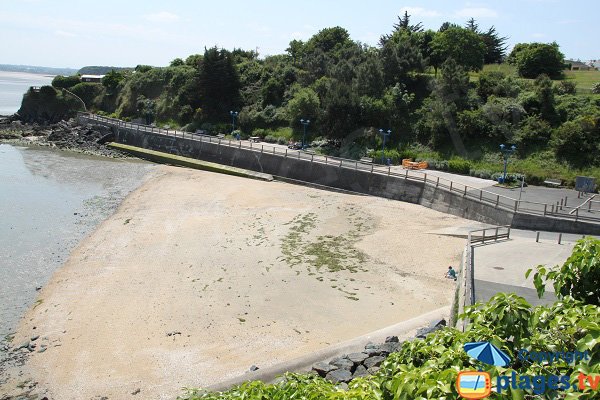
<point x="476" y="12"/>
<point x="162" y="16"/>
<point x="420" y="12"/>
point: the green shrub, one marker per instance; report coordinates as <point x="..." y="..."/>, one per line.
<point x="65" y="82"/>
<point x="481" y="173"/>
<point x="510" y="177"/>
<point x="392" y="154"/>
<point x="596" y="88"/>
<point x="459" y="166"/>
<point x="270" y="139"/>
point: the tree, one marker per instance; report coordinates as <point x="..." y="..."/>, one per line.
<point x="401" y="55"/>
<point x="578" y="277"/>
<point x="462" y="45"/>
<point x="329" y="40"/>
<point x="402" y="26"/>
<point x="65" y="82"/>
<point x="295" y="49"/>
<point x="112" y="80"/>
<point x="178" y="62"/>
<point x="219" y="84"/>
<point x="305" y="104"/>
<point x="534" y="59"/>
<point x="495" y="46"/>
<point x="545" y="97"/>
<point x="578" y="141"/>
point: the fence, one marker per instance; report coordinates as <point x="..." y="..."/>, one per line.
<point x="480" y="195"/>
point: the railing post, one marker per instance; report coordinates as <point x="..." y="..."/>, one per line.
<point x="389" y="169"/>
<point x="325" y="160"/>
<point x="465" y="194"/>
<point x="537" y="237"/>
<point x="516" y="205"/>
<point x="425" y="179"/>
<point x="406" y="174"/>
<point x="559" y="238"/>
<point x="480" y="195"/>
<point x="497" y="200"/>
<point x="545" y="209"/>
<point x="437" y="183"/>
<point x="286" y="153"/>
<point x="262" y="147"/>
<point x="372" y="166"/>
<point x="576" y="214"/>
<point x="451" y="185"/>
<point x="496" y="234"/>
<point x="508" y="233"/>
<point x="312" y="157"/>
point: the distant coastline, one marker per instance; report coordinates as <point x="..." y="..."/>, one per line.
<point x="32" y="69"/>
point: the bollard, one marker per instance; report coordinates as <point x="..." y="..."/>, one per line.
<point x="537" y="237"/>
<point x="559" y="238"/>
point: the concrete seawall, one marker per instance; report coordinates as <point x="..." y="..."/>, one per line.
<point x="341" y="174"/>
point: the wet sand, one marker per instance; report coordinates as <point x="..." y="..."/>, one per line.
<point x="198" y="276"/>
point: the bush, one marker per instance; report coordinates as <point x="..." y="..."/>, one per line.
<point x="596" y="88"/>
<point x="391" y="154"/>
<point x="270" y="139"/>
<point x="510" y="177"/>
<point x="65" y="82"/>
<point x="481" y="173"/>
<point x="459" y="166"/>
<point x="440" y="165"/>
<point x="565" y="87"/>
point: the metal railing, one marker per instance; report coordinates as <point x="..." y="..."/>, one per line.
<point x="480" y="195"/>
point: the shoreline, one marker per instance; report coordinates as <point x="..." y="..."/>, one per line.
<point x="84" y="190"/>
<point x="230" y="278"/>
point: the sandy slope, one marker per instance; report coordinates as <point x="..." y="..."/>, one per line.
<point x="198" y="276"/>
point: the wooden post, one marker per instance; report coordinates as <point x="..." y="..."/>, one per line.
<point x="537" y="237"/>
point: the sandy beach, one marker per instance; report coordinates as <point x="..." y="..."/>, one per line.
<point x="198" y="276"/>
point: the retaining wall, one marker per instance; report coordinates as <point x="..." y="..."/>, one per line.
<point x="347" y="178"/>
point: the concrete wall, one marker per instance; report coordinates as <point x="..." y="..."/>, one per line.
<point x="360" y="181"/>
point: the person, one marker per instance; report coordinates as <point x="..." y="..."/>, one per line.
<point x="451" y="274"/>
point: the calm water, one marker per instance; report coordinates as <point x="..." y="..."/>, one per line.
<point x="49" y="201"/>
<point x="12" y="87"/>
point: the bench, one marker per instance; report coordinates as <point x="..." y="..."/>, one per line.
<point x="553" y="182"/>
<point x="254" y="139"/>
<point x="221" y="136"/>
<point x="366" y="159"/>
<point x="408" y="163"/>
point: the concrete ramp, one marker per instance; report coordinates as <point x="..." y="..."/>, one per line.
<point x="166" y="158"/>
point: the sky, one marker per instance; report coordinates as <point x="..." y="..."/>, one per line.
<point x="60" y="33"/>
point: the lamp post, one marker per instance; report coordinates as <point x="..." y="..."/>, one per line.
<point x="385" y="134"/>
<point x="506" y="153"/>
<point x="305" y="123"/>
<point x="234" y="115"/>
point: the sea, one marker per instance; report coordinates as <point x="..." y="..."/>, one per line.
<point x="14" y="84"/>
<point x="49" y="201"/>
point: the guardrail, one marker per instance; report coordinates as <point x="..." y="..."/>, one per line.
<point x="483" y="196"/>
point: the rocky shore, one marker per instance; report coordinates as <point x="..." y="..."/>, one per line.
<point x="65" y="135"/>
<point x="342" y="370"/>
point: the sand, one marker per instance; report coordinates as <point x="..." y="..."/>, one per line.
<point x="198" y="276"/>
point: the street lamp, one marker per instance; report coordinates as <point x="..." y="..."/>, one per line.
<point x="506" y="153"/>
<point x="234" y="115"/>
<point x="385" y="134"/>
<point x="305" y="123"/>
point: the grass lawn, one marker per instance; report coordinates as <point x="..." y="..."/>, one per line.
<point x="583" y="79"/>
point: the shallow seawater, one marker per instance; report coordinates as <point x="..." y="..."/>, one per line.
<point x="49" y="201"/>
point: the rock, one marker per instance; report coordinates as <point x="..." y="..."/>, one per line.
<point x="374" y="361"/>
<point x="342" y="363"/>
<point x="323" y="368"/>
<point x="343" y="386"/>
<point x="372" y="350"/>
<point x="360" y="371"/>
<point x="357" y="358"/>
<point x="136" y="391"/>
<point x="392" y="339"/>
<point x="254" y="368"/>
<point x="43" y="349"/>
<point x="339" y="375"/>
<point x="34" y="338"/>
<point x="23" y="345"/>
<point x="373" y="370"/>
<point x="388" y="348"/>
